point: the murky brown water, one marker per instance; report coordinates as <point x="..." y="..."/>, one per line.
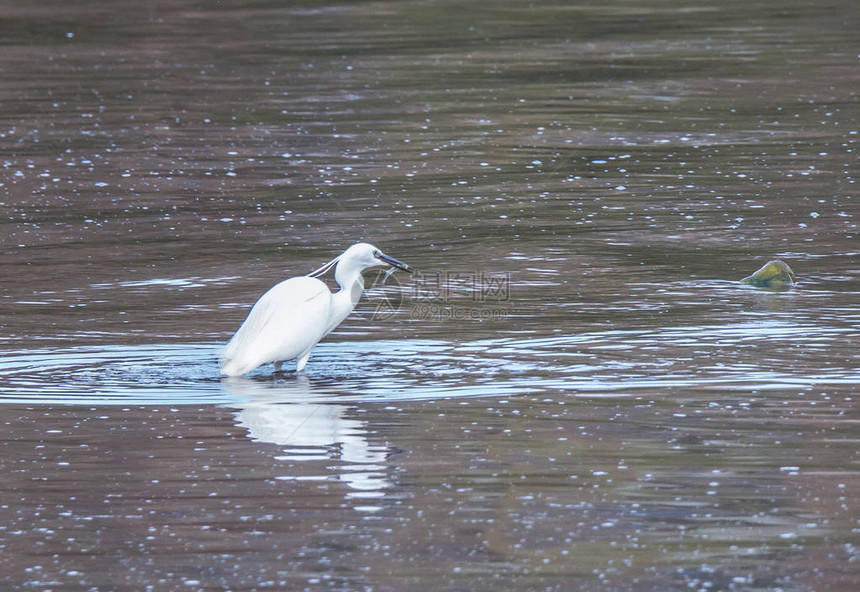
<point x="573" y="394"/>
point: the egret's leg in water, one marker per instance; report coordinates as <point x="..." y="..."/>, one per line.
<point x="302" y="360"/>
<point x="278" y="366"/>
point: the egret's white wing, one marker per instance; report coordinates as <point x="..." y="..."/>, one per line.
<point x="286" y="322"/>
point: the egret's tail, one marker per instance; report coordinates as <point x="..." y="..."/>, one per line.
<point x="233" y="363"/>
<point x="234" y="368"/>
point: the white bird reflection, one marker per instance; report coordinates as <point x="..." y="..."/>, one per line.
<point x="303" y="420"/>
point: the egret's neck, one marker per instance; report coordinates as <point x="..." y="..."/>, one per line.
<point x="355" y="288"/>
<point x="345" y="299"/>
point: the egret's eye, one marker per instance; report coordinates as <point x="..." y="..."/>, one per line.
<point x="376" y="254"/>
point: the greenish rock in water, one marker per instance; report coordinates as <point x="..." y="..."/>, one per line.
<point x="775" y="275"/>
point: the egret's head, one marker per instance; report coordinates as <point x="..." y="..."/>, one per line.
<point x="364" y="256"/>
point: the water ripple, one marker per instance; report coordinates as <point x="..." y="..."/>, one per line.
<point x="742" y="356"/>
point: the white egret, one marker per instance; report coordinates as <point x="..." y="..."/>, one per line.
<point x="294" y="315"/>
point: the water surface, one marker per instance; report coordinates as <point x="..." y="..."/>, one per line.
<point x="573" y="393"/>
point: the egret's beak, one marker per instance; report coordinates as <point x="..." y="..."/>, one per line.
<point x="393" y="262"/>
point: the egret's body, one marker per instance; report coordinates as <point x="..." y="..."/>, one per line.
<point x="294" y="315"/>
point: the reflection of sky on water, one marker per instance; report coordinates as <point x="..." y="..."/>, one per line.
<point x="754" y="352"/>
<point x="273" y="412"/>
